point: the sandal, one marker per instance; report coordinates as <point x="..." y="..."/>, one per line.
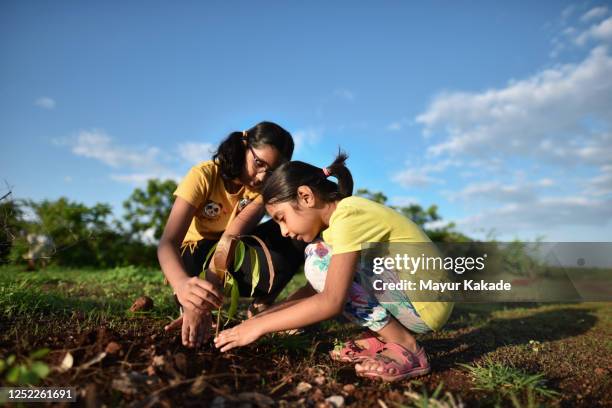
<point x="408" y="365"/>
<point x="351" y="352"/>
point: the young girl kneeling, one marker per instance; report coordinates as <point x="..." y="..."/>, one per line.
<point x="308" y="206"/>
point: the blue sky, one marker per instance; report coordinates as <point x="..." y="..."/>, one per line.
<point x="498" y="113"/>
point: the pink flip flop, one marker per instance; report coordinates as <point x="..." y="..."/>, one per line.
<point x="408" y="365"/>
<point x="351" y="352"/>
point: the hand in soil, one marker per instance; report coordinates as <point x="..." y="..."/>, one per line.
<point x="196" y="329"/>
<point x="245" y="333"/>
<point x="198" y="295"/>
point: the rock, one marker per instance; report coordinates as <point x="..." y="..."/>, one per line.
<point x="303" y="387"/>
<point x="317" y="395"/>
<point x="349" y="388"/>
<point x="113" y="348"/>
<point x="319" y="380"/>
<point x="142" y="304"/>
<point x="218" y="402"/>
<point x="180" y="360"/>
<point x="336" y="401"/>
<point x="158" y="361"/>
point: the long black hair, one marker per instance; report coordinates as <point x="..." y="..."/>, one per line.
<point x="283" y="183"/>
<point x="231" y="152"/>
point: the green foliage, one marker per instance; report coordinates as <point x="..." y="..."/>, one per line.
<point x="506" y="380"/>
<point x="420" y="216"/>
<point x="149" y="209"/>
<point x="435" y="400"/>
<point x="11" y="223"/>
<point x="28" y="372"/>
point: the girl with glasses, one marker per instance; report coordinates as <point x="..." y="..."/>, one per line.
<point x="221" y="197"/>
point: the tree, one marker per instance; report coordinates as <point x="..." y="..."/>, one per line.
<point x="11" y="223"/>
<point x="149" y="209"/>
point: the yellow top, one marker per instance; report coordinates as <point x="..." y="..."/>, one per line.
<point x="203" y="188"/>
<point x="357" y="221"/>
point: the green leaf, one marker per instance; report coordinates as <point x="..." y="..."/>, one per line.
<point x="228" y="284"/>
<point x="10" y="360"/>
<point x="13" y="375"/>
<point x="40" y="369"/>
<point x="2" y="366"/>
<point x="38" y="354"/>
<point x="239" y="255"/>
<point x="233" y="303"/>
<point x="211" y="251"/>
<point x="255" y="269"/>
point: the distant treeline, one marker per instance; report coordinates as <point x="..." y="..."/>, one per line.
<point x="68" y="233"/>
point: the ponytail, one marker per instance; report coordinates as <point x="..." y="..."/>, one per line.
<point x="230" y="156"/>
<point x="339" y="170"/>
<point x="283" y="183"/>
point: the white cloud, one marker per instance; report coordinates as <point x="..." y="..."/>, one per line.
<point x="345" y="94"/>
<point x="594" y="14"/>
<point x="136" y="163"/>
<point x="195" y="152"/>
<point x="399" y="125"/>
<point x="137" y="179"/>
<point x="601" y="185"/>
<point x="544" y="131"/>
<point x="45" y="102"/>
<point x="495" y="191"/>
<point x="542" y="116"/>
<point x="96" y="144"/>
<point x="601" y="31"/>
<point x="403" y="201"/>
<point x="306" y="137"/>
<point x="543" y="214"/>
<point x="415" y="177"/>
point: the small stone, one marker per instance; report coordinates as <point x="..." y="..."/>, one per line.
<point x="113" y="348"/>
<point x="336" y="401"/>
<point x="317" y="395"/>
<point x="218" y="402"/>
<point x="142" y="304"/>
<point x="303" y="387"/>
<point x="158" y="361"/>
<point x="319" y="380"/>
<point x="150" y="370"/>
<point x="349" y="388"/>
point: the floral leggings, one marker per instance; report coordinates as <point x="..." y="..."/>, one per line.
<point x="362" y="308"/>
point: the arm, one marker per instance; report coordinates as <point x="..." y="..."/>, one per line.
<point x="313" y="309"/>
<point x="244" y="222"/>
<point x="247" y="219"/>
<point x="195" y="295"/>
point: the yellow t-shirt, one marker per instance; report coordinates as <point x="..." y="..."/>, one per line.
<point x="203" y="188"/>
<point x="357" y="221"/>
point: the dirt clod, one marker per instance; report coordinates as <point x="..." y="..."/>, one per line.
<point x="113" y="348"/>
<point x="142" y="304"/>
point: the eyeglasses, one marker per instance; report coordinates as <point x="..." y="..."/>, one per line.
<point x="260" y="165"/>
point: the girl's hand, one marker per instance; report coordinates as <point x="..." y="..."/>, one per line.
<point x="198" y="296"/>
<point x="245" y="333"/>
<point x="195" y="328"/>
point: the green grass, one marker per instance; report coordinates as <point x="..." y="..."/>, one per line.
<point x="492" y="376"/>
<point x="98" y="294"/>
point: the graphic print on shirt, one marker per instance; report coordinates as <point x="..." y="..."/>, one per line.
<point x="212" y="210"/>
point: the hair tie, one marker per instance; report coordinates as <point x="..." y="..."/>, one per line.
<point x="245" y="134"/>
<point x="326" y="172"/>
